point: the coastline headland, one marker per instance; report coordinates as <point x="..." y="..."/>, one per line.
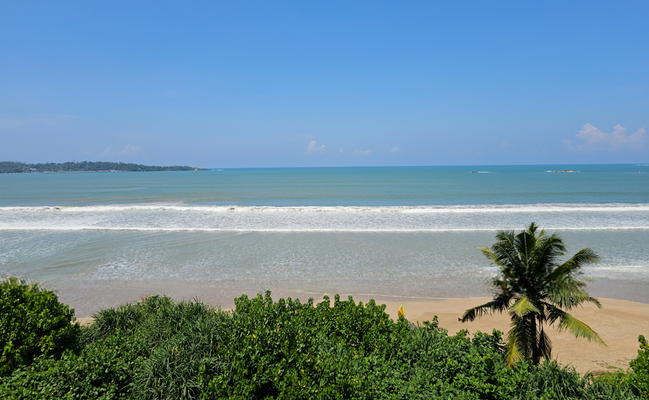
<point x="11" y="167"/>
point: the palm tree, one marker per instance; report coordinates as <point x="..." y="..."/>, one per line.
<point x="535" y="288"/>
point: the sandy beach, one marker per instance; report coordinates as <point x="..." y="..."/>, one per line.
<point x="618" y="323"/>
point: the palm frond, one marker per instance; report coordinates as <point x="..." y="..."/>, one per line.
<point x="490" y="255"/>
<point x="499" y="304"/>
<point x="570" y="296"/>
<point x="533" y="228"/>
<point x="575" y="263"/>
<point x="571" y="324"/>
<point x="546" y="252"/>
<point x="519" y="340"/>
<point x="524" y="244"/>
<point x="505" y="236"/>
<point x="513" y="353"/>
<point x="503" y="254"/>
<point x="524" y="306"/>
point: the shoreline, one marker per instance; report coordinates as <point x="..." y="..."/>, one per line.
<point x="89" y="296"/>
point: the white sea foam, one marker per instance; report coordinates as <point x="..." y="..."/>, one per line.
<point x="182" y="217"/>
<point x="305" y="230"/>
<point x="506" y="208"/>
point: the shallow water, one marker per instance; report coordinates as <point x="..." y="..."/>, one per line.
<point x="388" y="233"/>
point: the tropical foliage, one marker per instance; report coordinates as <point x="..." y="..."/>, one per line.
<point x="536" y="288"/>
<point x="265" y="349"/>
<point x="32" y="323"/>
<point x="640" y="366"/>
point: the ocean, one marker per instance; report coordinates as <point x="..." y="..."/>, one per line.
<point x="387" y="233"/>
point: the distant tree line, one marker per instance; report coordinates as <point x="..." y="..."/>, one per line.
<point x="10" y="167"/>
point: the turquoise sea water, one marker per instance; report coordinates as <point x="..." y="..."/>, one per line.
<point x="406" y="232"/>
<point x="387" y="186"/>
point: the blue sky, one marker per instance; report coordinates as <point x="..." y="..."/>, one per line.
<point x="325" y="83"/>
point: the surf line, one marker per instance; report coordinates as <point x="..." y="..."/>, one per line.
<point x="308" y="230"/>
<point x="451" y="209"/>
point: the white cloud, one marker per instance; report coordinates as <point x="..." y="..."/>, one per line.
<point x="596" y="139"/>
<point x="313" y="147"/>
<point x="395" y="149"/>
<point x="128" y="150"/>
<point x="363" y="152"/>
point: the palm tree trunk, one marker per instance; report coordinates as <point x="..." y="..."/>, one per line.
<point x="535" y="341"/>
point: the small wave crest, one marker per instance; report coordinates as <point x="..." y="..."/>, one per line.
<point x="304" y="230"/>
<point x="493" y="208"/>
<point x="183" y="217"/>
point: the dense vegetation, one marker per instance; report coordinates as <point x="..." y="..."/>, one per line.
<point x="161" y="349"/>
<point x="10" y="167"/>
<point x="33" y="323"/>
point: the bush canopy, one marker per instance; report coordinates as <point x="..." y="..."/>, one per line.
<point x="265" y="349"/>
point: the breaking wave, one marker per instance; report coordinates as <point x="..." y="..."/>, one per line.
<point x="506" y="208"/>
<point x="184" y="217"/>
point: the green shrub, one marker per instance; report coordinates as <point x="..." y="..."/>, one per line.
<point x="183" y="338"/>
<point x="639" y="379"/>
<point x="32" y="323"/>
<point x="161" y="349"/>
<point x="103" y="370"/>
<point x="124" y="355"/>
<point x="298" y="350"/>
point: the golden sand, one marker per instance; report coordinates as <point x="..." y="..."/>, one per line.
<point x="618" y="323"/>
